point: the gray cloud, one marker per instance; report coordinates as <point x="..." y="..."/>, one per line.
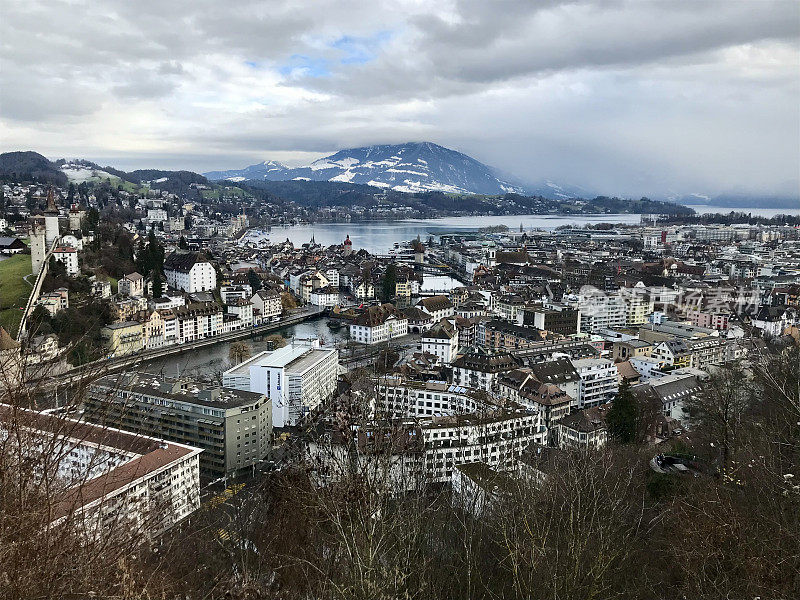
<point x="621" y="96"/>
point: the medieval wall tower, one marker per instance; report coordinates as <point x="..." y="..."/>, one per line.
<point x="38" y="234"/>
<point x="51" y="219"/>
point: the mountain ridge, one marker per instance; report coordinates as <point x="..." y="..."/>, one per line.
<point x="411" y="167"/>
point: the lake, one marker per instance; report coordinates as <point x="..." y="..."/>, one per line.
<point x="379" y="237"/>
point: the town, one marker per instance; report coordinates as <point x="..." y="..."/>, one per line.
<point x="400" y="300"/>
<point x="544" y="344"/>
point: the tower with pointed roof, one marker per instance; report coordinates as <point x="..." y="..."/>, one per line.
<point x="51" y="219"/>
<point x="347" y="248"/>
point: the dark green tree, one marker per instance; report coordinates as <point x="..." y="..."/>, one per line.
<point x="91" y="221"/>
<point x="182" y="244"/>
<point x="254" y="280"/>
<point x="56" y="269"/>
<point x="389" y="282"/>
<point x="622" y="419"/>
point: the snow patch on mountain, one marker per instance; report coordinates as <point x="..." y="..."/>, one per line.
<point x="78" y="173"/>
<point x="410" y="167"/>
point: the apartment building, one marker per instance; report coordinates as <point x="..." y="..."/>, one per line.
<point x="599" y="381"/>
<point x="439" y="307"/>
<point x="399" y="398"/>
<point x="378" y="324"/>
<point x="190" y="272"/>
<point x="69" y="258"/>
<point x="232" y="427"/>
<point x="564" y="321"/>
<point x="441" y="341"/>
<point x="197" y="321"/>
<point x="266" y="304"/>
<point x="297" y="379"/>
<point x="480" y="368"/>
<point x="584" y="429"/>
<point x="111" y="478"/>
<point x="509" y="336"/>
<point x="131" y="285"/>
<point x="601" y="311"/>
<point x="424" y="451"/>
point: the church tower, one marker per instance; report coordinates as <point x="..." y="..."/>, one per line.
<point x="347" y="248"/>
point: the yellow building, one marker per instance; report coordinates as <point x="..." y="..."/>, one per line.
<point x="123" y="338"/>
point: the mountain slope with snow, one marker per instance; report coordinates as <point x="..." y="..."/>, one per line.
<point x="411" y="167"/>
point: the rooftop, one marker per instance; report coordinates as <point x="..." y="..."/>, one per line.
<point x="182" y="390"/>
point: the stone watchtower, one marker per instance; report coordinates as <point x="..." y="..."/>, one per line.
<point x="37" y="232"/>
<point x="51" y="219"/>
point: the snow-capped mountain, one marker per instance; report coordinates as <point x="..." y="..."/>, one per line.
<point x="411" y="167"/>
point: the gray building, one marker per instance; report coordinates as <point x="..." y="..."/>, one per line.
<point x="232" y="427"/>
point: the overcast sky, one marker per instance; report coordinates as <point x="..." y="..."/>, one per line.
<point x="640" y="97"/>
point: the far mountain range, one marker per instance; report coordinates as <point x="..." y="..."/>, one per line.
<point x="425" y="166"/>
<point x="412" y="168"/>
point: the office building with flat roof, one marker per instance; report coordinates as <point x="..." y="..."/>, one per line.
<point x="297" y="379"/>
<point x="232" y="427"/>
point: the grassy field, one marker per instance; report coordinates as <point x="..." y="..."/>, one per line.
<point x="14" y="291"/>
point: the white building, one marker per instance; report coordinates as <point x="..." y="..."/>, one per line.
<point x="480" y="368"/>
<point x="190" y="272"/>
<point x="600" y="310"/>
<point x="441" y="341"/>
<point x="599" y="380"/>
<point x="439" y="307"/>
<point x="297" y="379"/>
<point x="243" y="309"/>
<point x="233" y="292"/>
<point x="131" y="285"/>
<point x="104" y="476"/>
<point x="327" y="296"/>
<point x="156" y="215"/>
<point x="197" y="321"/>
<point x="378" y="324"/>
<point x="69" y="258"/>
<point x="267" y="304"/>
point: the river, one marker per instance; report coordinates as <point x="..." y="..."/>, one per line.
<point x="212" y="360"/>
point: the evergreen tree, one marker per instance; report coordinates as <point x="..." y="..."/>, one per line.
<point x="622" y="419"/>
<point x="254" y="280"/>
<point x="389" y="283"/>
<point x="158" y="286"/>
<point x="182" y="244"/>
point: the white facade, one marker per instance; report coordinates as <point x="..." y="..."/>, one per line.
<point x="105" y="483"/>
<point x="327" y="297"/>
<point x="296" y="378"/>
<point x="201" y="277"/>
<point x="444" y="345"/>
<point x="267" y="303"/>
<point x="156" y="215"/>
<point x="599" y="380"/>
<point x="69" y="258"/>
<point x="390" y="328"/>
